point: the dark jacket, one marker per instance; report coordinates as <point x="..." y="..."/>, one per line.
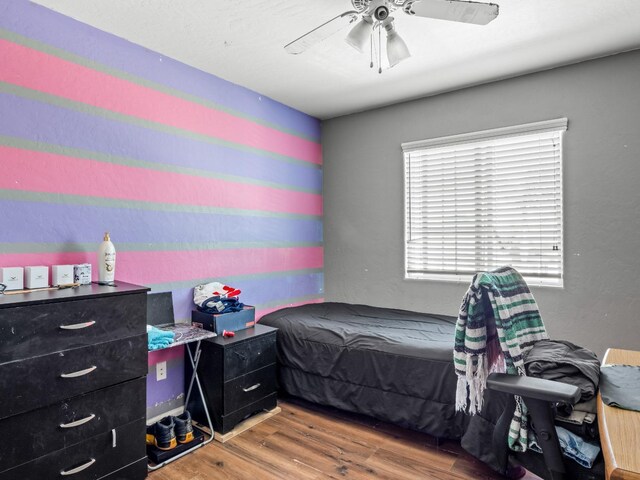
<point x="565" y="362"/>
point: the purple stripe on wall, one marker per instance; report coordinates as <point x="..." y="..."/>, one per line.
<point x="169" y="388"/>
<point x="258" y="291"/>
<point x="41" y="122"/>
<point x="68" y="34"/>
<point x="82" y="223"/>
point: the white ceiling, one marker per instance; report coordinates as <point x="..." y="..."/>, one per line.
<point x="242" y="41"/>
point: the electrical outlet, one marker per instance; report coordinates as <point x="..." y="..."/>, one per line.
<point x="161" y="371"/>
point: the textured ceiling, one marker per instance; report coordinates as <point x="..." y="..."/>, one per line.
<point x="242" y="41"/>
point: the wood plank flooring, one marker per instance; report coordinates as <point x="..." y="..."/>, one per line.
<point x="309" y="442"/>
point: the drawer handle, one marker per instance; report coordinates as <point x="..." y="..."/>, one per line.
<point x="77" y="423"/>
<point x="82" y="467"/>
<point x="79" y="373"/>
<point x="78" y="326"/>
<point x="252" y="387"/>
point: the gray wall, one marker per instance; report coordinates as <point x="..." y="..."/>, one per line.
<point x="599" y="305"/>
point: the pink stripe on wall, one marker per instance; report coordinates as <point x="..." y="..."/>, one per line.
<point x="47" y="172"/>
<point x="149" y="267"/>
<point x="165" y="355"/>
<point x="35" y="70"/>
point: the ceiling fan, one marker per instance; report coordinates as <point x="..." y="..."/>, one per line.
<point x="376" y="14"/>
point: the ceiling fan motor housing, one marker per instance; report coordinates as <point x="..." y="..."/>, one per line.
<point x="381" y="13"/>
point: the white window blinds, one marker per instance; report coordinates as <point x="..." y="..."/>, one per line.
<point x="479" y="201"/>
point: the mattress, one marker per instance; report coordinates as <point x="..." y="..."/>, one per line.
<point x="392" y="364"/>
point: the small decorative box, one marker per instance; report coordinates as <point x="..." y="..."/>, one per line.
<point x="61" y="275"/>
<point x="82" y="274"/>
<point x="12" y="277"/>
<point x="36" y="277"/>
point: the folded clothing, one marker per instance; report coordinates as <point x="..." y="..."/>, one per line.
<point x="586" y="430"/>
<point x="579" y="412"/>
<point x="620" y="386"/>
<point x="579" y="418"/>
<point x="217" y="305"/>
<point x="573" y="447"/>
<point x="565" y="362"/>
<point x="158" y="339"/>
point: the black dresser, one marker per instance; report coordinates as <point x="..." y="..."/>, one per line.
<point x="238" y="376"/>
<point x="72" y="383"/>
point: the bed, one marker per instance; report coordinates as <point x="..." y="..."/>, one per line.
<point x="394" y="365"/>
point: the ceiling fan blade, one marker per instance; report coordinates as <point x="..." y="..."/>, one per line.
<point x="322" y="32"/>
<point x="453" y="10"/>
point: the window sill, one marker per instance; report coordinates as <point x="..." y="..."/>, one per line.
<point x="466" y="279"/>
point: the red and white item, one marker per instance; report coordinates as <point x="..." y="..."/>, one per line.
<point x="202" y="293"/>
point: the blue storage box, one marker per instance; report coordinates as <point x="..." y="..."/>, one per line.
<point x="232" y="322"/>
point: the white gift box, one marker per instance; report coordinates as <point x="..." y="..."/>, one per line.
<point x="36" y="277"/>
<point x="12" y="277"/>
<point x="61" y="275"/>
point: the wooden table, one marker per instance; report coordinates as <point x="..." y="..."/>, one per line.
<point x="620" y="429"/>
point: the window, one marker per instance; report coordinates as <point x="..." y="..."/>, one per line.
<point x="482" y="200"/>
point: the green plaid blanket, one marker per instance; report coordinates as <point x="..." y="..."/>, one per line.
<point x="498" y="323"/>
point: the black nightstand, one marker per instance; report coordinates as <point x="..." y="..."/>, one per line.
<point x="238" y="376"/>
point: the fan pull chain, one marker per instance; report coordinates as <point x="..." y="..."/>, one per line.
<point x="379" y="49"/>
<point x="371" y="45"/>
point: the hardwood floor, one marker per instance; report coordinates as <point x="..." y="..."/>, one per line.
<point x="309" y="442"/>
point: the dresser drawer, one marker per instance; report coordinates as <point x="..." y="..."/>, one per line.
<point x="48" y="379"/>
<point x="92" y="459"/>
<point x="136" y="471"/>
<point x="248" y="356"/>
<point x="42" y="431"/>
<point x="242" y="391"/>
<point x="35" y="330"/>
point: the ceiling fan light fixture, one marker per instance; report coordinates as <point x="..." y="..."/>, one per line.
<point x="360" y="34"/>
<point x="397" y="50"/>
<point x="372" y="14"/>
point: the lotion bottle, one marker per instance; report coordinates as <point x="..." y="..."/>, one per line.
<point x="106" y="261"/>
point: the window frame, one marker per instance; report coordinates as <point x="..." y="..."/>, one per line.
<point x="556" y="125"/>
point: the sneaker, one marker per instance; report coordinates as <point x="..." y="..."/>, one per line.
<point x="162" y="434"/>
<point x="184" y="429"/>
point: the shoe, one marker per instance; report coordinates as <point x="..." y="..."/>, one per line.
<point x="162" y="434"/>
<point x="184" y="429"/>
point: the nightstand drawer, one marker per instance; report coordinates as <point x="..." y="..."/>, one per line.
<point x="249" y="388"/>
<point x="249" y="356"/>
<point x="92" y="459"/>
<point x="226" y="423"/>
<point x="40" y="381"/>
<point x="35" y="330"/>
<point x="42" y="431"/>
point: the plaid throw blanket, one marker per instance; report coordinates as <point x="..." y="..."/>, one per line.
<point x="498" y="323"/>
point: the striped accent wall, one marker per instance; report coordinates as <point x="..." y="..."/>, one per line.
<point x="166" y="397"/>
<point x="196" y="178"/>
